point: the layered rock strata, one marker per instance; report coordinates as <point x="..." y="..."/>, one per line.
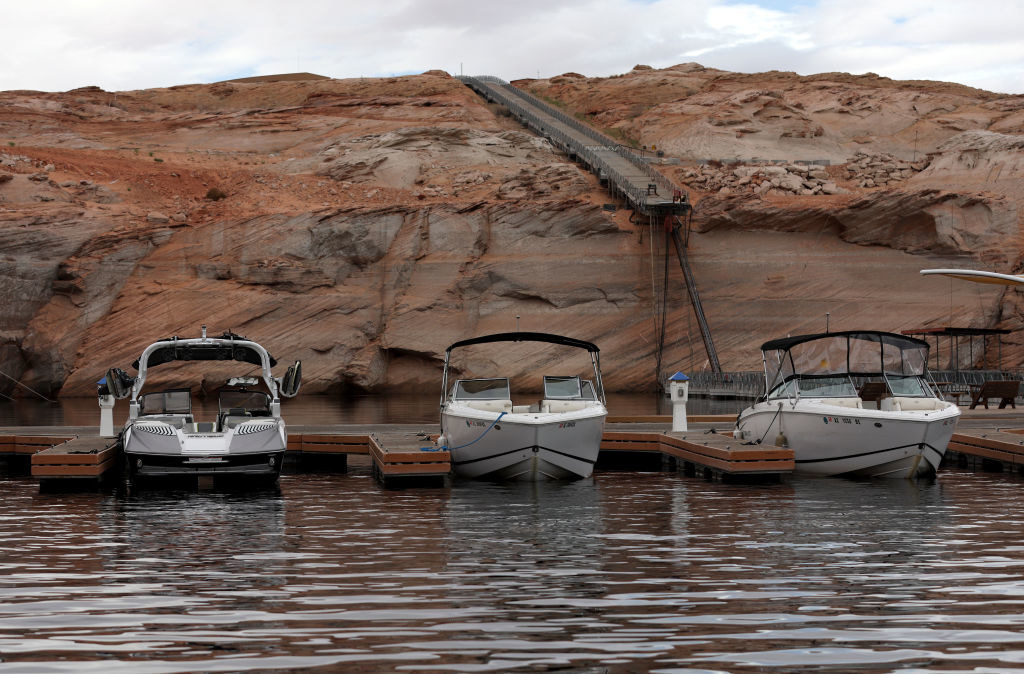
<point x="363" y="225"/>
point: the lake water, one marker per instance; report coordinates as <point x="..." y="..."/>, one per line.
<point x="320" y="410"/>
<point x="623" y="572"/>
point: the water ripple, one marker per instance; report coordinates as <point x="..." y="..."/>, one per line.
<point x="649" y="571"/>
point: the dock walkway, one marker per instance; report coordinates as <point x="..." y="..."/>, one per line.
<point x="81" y="458"/>
<point x="406" y="454"/>
<point x="646" y="190"/>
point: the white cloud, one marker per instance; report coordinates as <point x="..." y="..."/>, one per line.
<point x="127" y="44"/>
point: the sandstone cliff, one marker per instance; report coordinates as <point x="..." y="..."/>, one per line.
<point x="892" y="176"/>
<point x="368" y="223"/>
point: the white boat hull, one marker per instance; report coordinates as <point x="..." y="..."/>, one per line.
<point x="523" y="446"/>
<point x="838" y="440"/>
<point x="161" y="450"/>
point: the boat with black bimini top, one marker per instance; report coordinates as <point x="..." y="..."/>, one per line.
<point x="851" y="403"/>
<point x="248" y="438"/>
<point x="557" y="437"/>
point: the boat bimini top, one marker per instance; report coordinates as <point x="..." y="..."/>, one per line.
<point x="833" y="356"/>
<point x="227" y="347"/>
<point x="557" y="387"/>
<point x="977" y="276"/>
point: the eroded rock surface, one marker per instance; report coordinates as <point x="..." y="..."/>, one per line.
<point x="363" y="225"/>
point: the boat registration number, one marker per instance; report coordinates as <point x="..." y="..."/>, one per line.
<point x="841" y="420"/>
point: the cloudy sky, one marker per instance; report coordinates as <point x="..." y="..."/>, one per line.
<point x="134" y="44"/>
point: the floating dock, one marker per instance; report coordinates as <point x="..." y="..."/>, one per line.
<point x="24" y="446"/>
<point x="706" y="454"/>
<point x="997" y="450"/>
<point x="90" y="459"/>
<point x="402" y="455"/>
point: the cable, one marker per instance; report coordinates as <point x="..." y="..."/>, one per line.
<point x="664" y="312"/>
<point x="759" y="441"/>
<point x="27" y="387"/>
<point x="448" y="449"/>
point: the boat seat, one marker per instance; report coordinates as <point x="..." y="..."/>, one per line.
<point x="490" y="405"/>
<point x="856" y="403"/>
<point x="232" y="420"/>
<point x="920" y="403"/>
<point x="177" y="422"/>
<point x="563" y="405"/>
<point x="233" y="417"/>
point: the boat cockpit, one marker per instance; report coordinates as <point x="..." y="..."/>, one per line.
<point x="237" y="405"/>
<point x="560" y="394"/>
<point x="174" y="407"/>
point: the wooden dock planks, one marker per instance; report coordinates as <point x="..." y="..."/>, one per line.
<point x="399" y="455"/>
<point x="722" y="454"/>
<point x="319" y="443"/>
<point x="27" y="445"/>
<point x="89" y="457"/>
<point x="667" y="419"/>
<point x="1003" y="447"/>
<point x="405" y="456"/>
<point x="395" y="455"/>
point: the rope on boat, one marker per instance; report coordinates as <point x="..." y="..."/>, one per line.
<point x="761" y="439"/>
<point x="446" y="448"/>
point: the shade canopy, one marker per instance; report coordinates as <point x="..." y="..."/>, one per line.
<point x="525" y="337"/>
<point x="863" y="353"/>
<point x="976" y="276"/>
<point x="224" y="348"/>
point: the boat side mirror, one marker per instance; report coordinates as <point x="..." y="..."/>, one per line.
<point x="292" y="380"/>
<point x="119" y="383"/>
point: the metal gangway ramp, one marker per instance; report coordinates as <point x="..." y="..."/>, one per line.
<point x="646" y="190"/>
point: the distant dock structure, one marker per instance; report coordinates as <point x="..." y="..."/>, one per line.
<point x="622" y="169"/>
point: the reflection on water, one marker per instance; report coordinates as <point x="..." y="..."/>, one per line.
<point x="323" y="409"/>
<point x="623" y="572"/>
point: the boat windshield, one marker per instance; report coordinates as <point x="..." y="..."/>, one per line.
<point x="177" y="401"/>
<point x="908" y="386"/>
<point x="250" y="401"/>
<point x="481" y="389"/>
<point x="816" y="387"/>
<point x="839" y="354"/>
<point x="562" y="388"/>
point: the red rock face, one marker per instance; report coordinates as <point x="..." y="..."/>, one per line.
<point x="366" y="224"/>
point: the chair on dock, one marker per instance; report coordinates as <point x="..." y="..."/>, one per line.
<point x="1005" y="390"/>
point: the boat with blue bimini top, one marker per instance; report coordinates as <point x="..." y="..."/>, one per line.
<point x="556" y="437"/>
<point x="162" y="438"/>
<point x="852" y="403"/>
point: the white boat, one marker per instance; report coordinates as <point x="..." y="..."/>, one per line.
<point x="557" y="437"/>
<point x="813" y="405"/>
<point x="162" y="437"/>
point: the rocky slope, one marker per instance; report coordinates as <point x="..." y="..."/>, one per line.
<point x="926" y="169"/>
<point x="363" y="225"/>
